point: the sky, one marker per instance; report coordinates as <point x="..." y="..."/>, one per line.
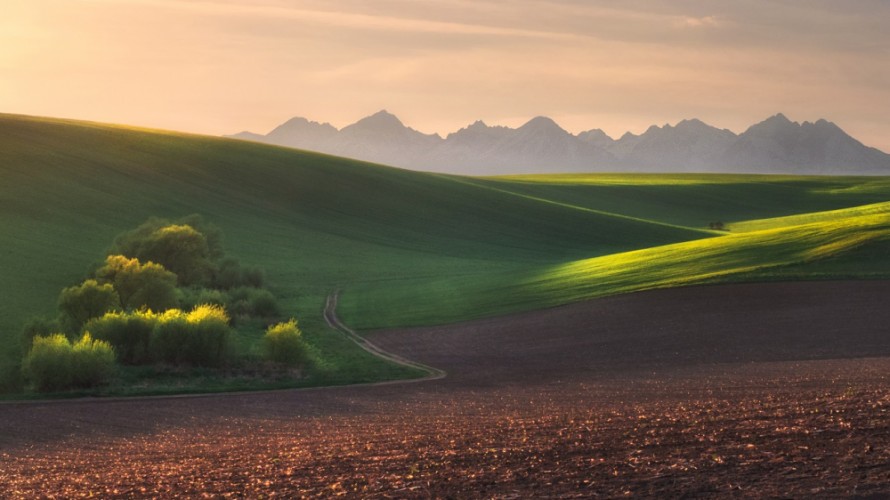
<point x="223" y="66"/>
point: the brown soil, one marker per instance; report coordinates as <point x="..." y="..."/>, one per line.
<point x="745" y="390"/>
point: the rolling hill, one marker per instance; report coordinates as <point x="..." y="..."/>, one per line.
<point x="404" y="247"/>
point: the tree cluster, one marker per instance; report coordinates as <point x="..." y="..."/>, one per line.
<point x="132" y="309"/>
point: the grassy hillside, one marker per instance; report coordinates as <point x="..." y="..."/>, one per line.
<point x="405" y="247"/>
<point x="841" y="244"/>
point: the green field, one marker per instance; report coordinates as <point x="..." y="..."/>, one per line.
<point x="409" y="248"/>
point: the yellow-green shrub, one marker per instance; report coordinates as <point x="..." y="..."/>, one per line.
<point x="54" y="364"/>
<point x="201" y="337"/>
<point x="139" y="285"/>
<point x="129" y="334"/>
<point x="92" y="362"/>
<point x="88" y="300"/>
<point x="283" y="343"/>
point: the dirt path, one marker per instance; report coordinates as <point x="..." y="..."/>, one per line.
<point x="330" y="317"/>
<point x="745" y="390"/>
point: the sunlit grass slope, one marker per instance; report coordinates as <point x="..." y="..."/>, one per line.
<point x="405" y="247"/>
<point x="809" y="218"/>
<point x="845" y="243"/>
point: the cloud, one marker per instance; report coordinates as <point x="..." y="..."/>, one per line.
<point x="344" y="19"/>
<point x="696" y="22"/>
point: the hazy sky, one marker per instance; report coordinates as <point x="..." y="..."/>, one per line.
<point x="221" y="66"/>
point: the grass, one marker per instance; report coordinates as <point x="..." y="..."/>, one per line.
<point x="840" y="246"/>
<point x="406" y="248"/>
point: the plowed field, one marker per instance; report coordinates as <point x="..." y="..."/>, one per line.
<point x="748" y="390"/>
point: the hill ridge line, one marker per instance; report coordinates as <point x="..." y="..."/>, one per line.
<point x="469" y="182"/>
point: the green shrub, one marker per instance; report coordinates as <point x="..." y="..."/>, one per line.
<point x="227" y="275"/>
<point x="283" y="343"/>
<point x="89" y="300"/>
<point x="48" y="363"/>
<point x="169" y="338"/>
<point x="189" y="298"/>
<point x="263" y="304"/>
<point x="129" y="334"/>
<point x="53" y="364"/>
<point x="199" y="338"/>
<point x="212" y="335"/>
<point x="139" y="285"/>
<point x="93" y="362"/>
<point x="248" y="301"/>
<point x="253" y="276"/>
<point x="230" y="274"/>
<point x="38" y="327"/>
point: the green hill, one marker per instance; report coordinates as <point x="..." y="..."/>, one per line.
<point x="405" y="247"/>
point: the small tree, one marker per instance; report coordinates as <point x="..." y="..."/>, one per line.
<point x="139" y="285"/>
<point x="89" y="300"/>
<point x="283" y="343"/>
<point x="180" y="248"/>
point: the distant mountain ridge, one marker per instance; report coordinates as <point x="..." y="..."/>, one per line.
<point x="776" y="145"/>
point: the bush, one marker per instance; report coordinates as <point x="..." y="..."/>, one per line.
<point x="263" y="304"/>
<point x="199" y="338"/>
<point x="90" y="300"/>
<point x="53" y="364"/>
<point x="93" y="362"/>
<point x="246" y="301"/>
<point x="48" y="363"/>
<point x="129" y="334"/>
<point x="139" y="285"/>
<point x="283" y="343"/>
<point x="180" y="248"/>
<point x="38" y="327"/>
<point x="230" y="274"/>
<point x="169" y="338"/>
<point x="189" y="298"/>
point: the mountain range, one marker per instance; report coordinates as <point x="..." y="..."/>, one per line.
<point x="776" y="145"/>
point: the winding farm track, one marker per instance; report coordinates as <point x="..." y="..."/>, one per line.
<point x="755" y="390"/>
<point x="330" y="317"/>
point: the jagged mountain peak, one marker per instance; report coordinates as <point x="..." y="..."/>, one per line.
<point x="779" y="119"/>
<point x="380" y="119"/>
<point x="296" y="120"/>
<point x="654" y="129"/>
<point x="300" y="123"/>
<point x="627" y="136"/>
<point x="693" y="124"/>
<point x="542" y="124"/>
<point x="595" y="136"/>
